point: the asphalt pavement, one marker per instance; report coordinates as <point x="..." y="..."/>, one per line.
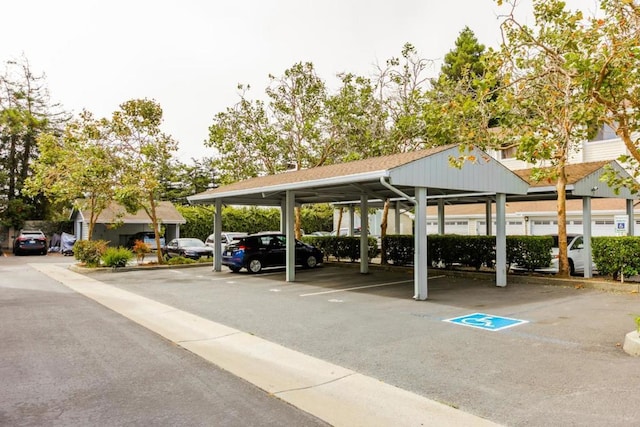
<point x="340" y="342"/>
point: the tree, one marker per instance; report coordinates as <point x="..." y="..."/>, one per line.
<point x="609" y="71"/>
<point x="180" y="180"/>
<point x="144" y="153"/>
<point x="76" y="168"/>
<point x="25" y="113"/>
<point x="551" y="111"/>
<point x="465" y="58"/>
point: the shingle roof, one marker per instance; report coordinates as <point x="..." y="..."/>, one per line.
<point x="166" y="211"/>
<point x="329" y="171"/>
<point x="575" y="172"/>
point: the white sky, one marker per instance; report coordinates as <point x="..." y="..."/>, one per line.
<point x="189" y="55"/>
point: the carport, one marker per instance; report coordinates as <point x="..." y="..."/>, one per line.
<point x="410" y="176"/>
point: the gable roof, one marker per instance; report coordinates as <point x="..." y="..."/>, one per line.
<point x="583" y="179"/>
<point x="114" y="213"/>
<point x="347" y="181"/>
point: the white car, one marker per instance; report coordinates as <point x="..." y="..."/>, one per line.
<point x="575" y="254"/>
<point x="226" y="238"/>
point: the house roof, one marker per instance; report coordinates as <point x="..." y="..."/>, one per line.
<point x="428" y="168"/>
<point x="114" y="213"/>
<point x="583" y="180"/>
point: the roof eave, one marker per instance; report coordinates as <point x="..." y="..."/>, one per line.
<point x="324" y="182"/>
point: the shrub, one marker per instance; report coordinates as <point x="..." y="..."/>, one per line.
<point x="616" y="255"/>
<point x="178" y="260"/>
<point x="529" y="252"/>
<point x="342" y="246"/>
<point x="140" y="248"/>
<point x="89" y="251"/>
<point x="117" y="257"/>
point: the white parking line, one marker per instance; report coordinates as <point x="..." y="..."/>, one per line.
<point x="363" y="287"/>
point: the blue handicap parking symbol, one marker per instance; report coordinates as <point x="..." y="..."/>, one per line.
<point x="486" y="321"/>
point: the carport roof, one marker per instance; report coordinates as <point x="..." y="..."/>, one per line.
<point x="348" y="181"/>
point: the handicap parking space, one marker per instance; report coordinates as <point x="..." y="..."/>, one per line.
<point x="558" y="365"/>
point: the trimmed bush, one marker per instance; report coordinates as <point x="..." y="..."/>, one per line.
<point x="616" y="255"/>
<point x="89" y="251"/>
<point x="116" y="257"/>
<point x="529" y="252"/>
<point x="342" y="247"/>
<point x="180" y="260"/>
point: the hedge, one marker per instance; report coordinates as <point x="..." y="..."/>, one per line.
<point x="615" y="255"/>
<point x="473" y="251"/>
<point x="342" y="247"/>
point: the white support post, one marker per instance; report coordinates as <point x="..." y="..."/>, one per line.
<point x="364" y="234"/>
<point x="283" y="216"/>
<point x="352" y="216"/>
<point x="440" y="216"/>
<point x="291" y="238"/>
<point x="420" y="254"/>
<point x="501" y="239"/>
<point x="632" y="219"/>
<point x="217" y="236"/>
<point x="397" y="219"/>
<point x="489" y="222"/>
<point x="586" y="236"/>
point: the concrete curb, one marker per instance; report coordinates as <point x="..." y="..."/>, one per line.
<point x="330" y="392"/>
<point x="632" y="343"/>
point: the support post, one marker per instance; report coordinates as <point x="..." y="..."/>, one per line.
<point x="364" y="234"/>
<point x="632" y="220"/>
<point x="217" y="236"/>
<point x="489" y="222"/>
<point x="397" y="218"/>
<point x="440" y="216"/>
<point x="420" y="254"/>
<point x="501" y="239"/>
<point x="283" y="216"/>
<point x="586" y="237"/>
<point x="290" y="202"/>
<point x="352" y="216"/>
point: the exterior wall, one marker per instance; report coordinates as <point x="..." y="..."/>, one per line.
<point x="119" y="236"/>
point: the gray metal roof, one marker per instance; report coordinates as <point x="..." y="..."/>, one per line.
<point x="348" y="181"/>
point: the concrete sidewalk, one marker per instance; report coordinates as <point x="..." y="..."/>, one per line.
<point x="339" y="396"/>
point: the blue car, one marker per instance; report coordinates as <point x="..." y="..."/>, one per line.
<point x="257" y="251"/>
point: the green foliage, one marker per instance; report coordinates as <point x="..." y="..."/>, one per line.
<point x="89" y="252"/>
<point x="178" y="260"/>
<point x="465" y="58"/>
<point x="637" y="324"/>
<point x="342" y="247"/>
<point x="472" y="251"/>
<point x="318" y="217"/>
<point x="615" y="255"/>
<point x="529" y="251"/>
<point x="17" y="211"/>
<point x="116" y="257"/>
<point x="199" y="221"/>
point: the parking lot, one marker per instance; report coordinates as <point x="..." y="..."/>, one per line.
<point x="563" y="366"/>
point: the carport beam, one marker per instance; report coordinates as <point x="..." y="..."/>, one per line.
<point x="420" y="254"/>
<point x="586" y="237"/>
<point x="364" y="234"/>
<point x="501" y="240"/>
<point x="632" y="219"/>
<point x="291" y="241"/>
<point x="217" y="232"/>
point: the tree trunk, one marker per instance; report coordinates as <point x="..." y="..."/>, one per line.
<point x="383" y="231"/>
<point x="563" y="261"/>
<point x="156" y="228"/>
<point x="298" y="223"/>
<point x="340" y="212"/>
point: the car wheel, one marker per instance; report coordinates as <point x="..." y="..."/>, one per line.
<point x="234" y="269"/>
<point x="572" y="268"/>
<point x="311" y="262"/>
<point x="44" y="252"/>
<point x="255" y="266"/>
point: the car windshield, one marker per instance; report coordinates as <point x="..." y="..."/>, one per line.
<point x="191" y="242"/>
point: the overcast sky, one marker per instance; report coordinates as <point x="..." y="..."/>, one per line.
<point x="189" y="55"/>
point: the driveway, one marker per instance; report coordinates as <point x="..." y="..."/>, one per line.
<point x="564" y="366"/>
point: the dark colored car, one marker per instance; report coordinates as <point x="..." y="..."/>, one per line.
<point x="148" y="237"/>
<point x="188" y="248"/>
<point x="257" y="251"/>
<point x="30" y="241"/>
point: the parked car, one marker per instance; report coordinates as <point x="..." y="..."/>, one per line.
<point x="148" y="237"/>
<point x="30" y="241"/>
<point x="257" y="251"/>
<point x="187" y="247"/>
<point x="575" y="246"/>
<point x="320" y="233"/>
<point x="226" y="238"/>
